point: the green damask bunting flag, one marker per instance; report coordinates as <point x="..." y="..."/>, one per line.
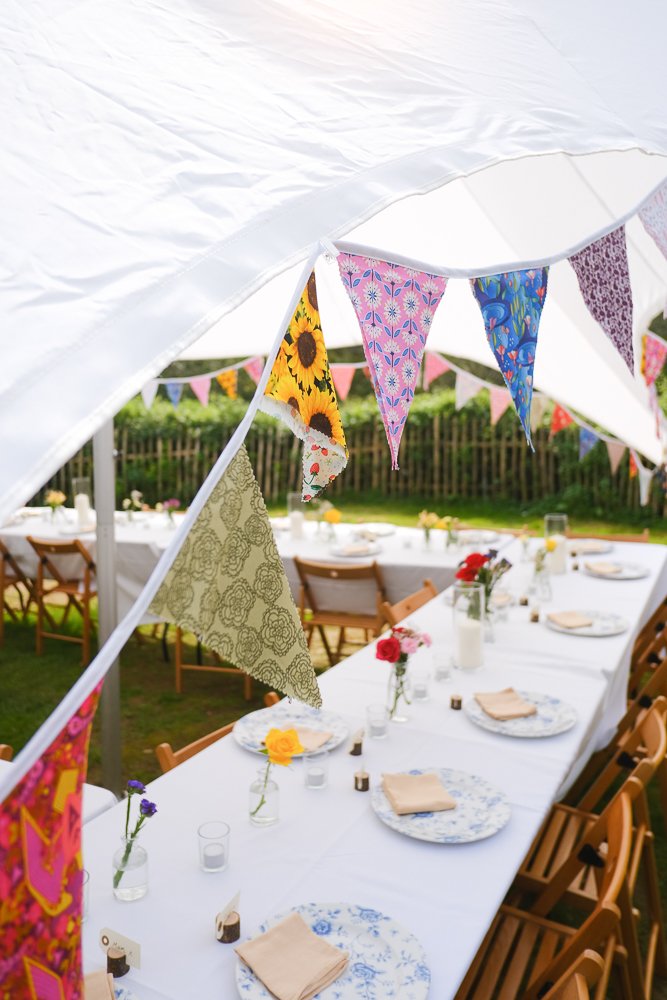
<point x="228" y="586"/>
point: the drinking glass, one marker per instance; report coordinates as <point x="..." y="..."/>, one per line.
<point x="213" y="846"/>
<point x="377" y="722"/>
<point x="420" y="679"/>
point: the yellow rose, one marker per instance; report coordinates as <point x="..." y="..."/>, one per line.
<point x="281" y="745"/>
<point x="333" y="516"/>
<point x="550" y="544"/>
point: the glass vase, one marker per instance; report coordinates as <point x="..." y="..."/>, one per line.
<point x="542" y="584"/>
<point x="468" y="607"/>
<point x="555" y="528"/>
<point x="130" y="871"/>
<point x="427" y="538"/>
<point x="398" y="694"/>
<point x="264" y="799"/>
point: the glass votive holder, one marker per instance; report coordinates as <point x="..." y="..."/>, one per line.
<point x="420" y="684"/>
<point x="85" y="895"/>
<point x="442" y="664"/>
<point x="555" y="532"/>
<point x="316" y="769"/>
<point x="213" y="846"/>
<point x="377" y="722"/>
<point x="469" y="611"/>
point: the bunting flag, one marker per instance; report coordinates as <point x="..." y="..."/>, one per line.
<point x="500" y="399"/>
<point x="560" y="419"/>
<point x="656" y="409"/>
<point x="301" y="392"/>
<point x="466" y="389"/>
<point x="395" y="306"/>
<point x="149" y="392"/>
<point x="538" y="407"/>
<point x="434" y="366"/>
<point x="616" y="451"/>
<point x="342" y="376"/>
<point x="604" y="280"/>
<point x="632" y="469"/>
<point x="654" y="353"/>
<point x="41" y="869"/>
<point x="201" y="388"/>
<point x="654" y="218"/>
<point x="254" y="367"/>
<point x="645" y="480"/>
<point x="511" y="306"/>
<point x="174" y="391"/>
<point x="587" y="441"/>
<point x="229" y="382"/>
<point x="227" y="585"/>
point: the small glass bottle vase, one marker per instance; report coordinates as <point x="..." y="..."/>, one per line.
<point x="541" y="586"/>
<point x="468" y="608"/>
<point x="264" y="799"/>
<point x="130" y="870"/>
<point x="398" y="694"/>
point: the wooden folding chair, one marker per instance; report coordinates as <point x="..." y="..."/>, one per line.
<point x="6" y="752"/>
<point x="168" y="758"/>
<point x="395" y="613"/>
<point x="649" y="650"/>
<point x="525" y="953"/>
<point x="180" y="665"/>
<point x="347" y="587"/>
<point x="576" y="983"/>
<point x="565" y="832"/>
<point x="271" y="698"/>
<point x="79" y="590"/>
<point x="643" y="537"/>
<point x="12" y="578"/>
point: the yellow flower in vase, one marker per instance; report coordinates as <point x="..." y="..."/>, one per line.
<point x="281" y="745"/>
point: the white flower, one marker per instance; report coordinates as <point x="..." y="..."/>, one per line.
<point x="354" y="299"/>
<point x="391" y="276"/>
<point x="409" y="372"/>
<point x="392" y="312"/>
<point x="391" y="380"/>
<point x="350" y="267"/>
<point x="405" y="403"/>
<point x="410" y="303"/>
<point x="427" y="319"/>
<point x="373" y="263"/>
<point x="411" y="273"/>
<point x="377" y="365"/>
<point x="429" y="286"/>
<point x="392" y="416"/>
<point x="410" y="337"/>
<point x="372" y="294"/>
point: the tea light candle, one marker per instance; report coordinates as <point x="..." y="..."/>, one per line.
<point x="296" y="523"/>
<point x="316" y="777"/>
<point x="361" y="781"/>
<point x="456" y="702"/>
<point x="468" y="643"/>
<point x="214" y="856"/>
<point x="557" y="560"/>
<point x="523" y="601"/>
<point x="82" y="508"/>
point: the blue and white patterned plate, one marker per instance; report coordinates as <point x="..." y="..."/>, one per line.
<point x="481" y="810"/>
<point x="589" y="547"/>
<point x="251" y="730"/>
<point x="604" y="624"/>
<point x="386" y="961"/>
<point x="122" y="993"/>
<point x="626" y="571"/>
<point x="553" y="716"/>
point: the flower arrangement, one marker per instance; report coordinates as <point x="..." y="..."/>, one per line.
<point x="541" y="554"/>
<point x="483" y="568"/>
<point x="395" y="648"/>
<point x="54" y="499"/>
<point x="280" y="745"/>
<point x="146" y="810"/>
<point x="168" y="507"/>
<point x="332" y="515"/>
<point x="132" y="503"/>
<point x="427" y="520"/>
<point x="451" y="525"/>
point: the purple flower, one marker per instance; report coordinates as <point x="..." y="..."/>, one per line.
<point x="135" y="786"/>
<point x="172" y="504"/>
<point x="147" y="808"/>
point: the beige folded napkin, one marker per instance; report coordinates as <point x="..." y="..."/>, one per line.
<point x="356" y="549"/>
<point x="98" y="986"/>
<point x="312" y="739"/>
<point x="569" y="619"/>
<point x="504" y="705"/>
<point x="367" y="535"/>
<point x="603" y="568"/>
<point x="291" y="961"/>
<point x="592" y="545"/>
<point x="414" y="793"/>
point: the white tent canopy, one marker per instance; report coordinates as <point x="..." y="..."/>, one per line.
<point x="163" y="163"/>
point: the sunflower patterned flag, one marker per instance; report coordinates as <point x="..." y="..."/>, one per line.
<point x="301" y="392"/>
<point x="41" y="870"/>
<point x="511" y="305"/>
<point x="227" y="585"/>
<point x="395" y="306"/>
<point x="228" y="382"/>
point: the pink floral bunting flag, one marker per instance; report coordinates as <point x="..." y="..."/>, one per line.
<point x="654" y="218"/>
<point x="254" y="368"/>
<point x="500" y="400"/>
<point x="604" y="280"/>
<point x="466" y="389"/>
<point x="395" y="306"/>
<point x="201" y="388"/>
<point x="342" y="376"/>
<point x="434" y="366"/>
<point x="616" y="451"/>
<point x="654" y="354"/>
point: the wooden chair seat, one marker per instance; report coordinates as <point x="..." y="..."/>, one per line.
<point x="395" y="613"/>
<point x="78" y="592"/>
<point x="168" y="758"/>
<point x="181" y="665"/>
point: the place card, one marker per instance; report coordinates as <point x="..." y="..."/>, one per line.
<point x="112" y="939"/>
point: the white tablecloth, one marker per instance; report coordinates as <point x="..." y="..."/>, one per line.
<point x="329" y="846"/>
<point x="96" y="800"/>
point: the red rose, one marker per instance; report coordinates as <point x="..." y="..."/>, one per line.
<point x="388" y="649"/>
<point x="467" y="574"/>
<point x="476" y="560"/>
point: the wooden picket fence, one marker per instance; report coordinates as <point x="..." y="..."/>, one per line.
<point x="450" y="456"/>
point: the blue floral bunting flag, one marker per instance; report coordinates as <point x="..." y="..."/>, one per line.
<point x="587" y="440"/>
<point x="511" y="305"/>
<point x="174" y="391"/>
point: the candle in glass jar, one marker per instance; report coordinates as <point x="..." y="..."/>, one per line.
<point x="557" y="560"/>
<point x="296" y="522"/>
<point x="82" y="508"/>
<point x="468" y="643"/>
<point x="214" y="857"/>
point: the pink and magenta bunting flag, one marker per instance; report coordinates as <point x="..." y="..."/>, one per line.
<point x="466" y="389"/>
<point x="41" y="870"/>
<point x="201" y="388"/>
<point x="395" y="306"/>
<point x="587" y="441"/>
<point x="342" y="376"/>
<point x="616" y="451"/>
<point x="174" y="391"/>
<point x="654" y="218"/>
<point x="254" y="368"/>
<point x="511" y="305"/>
<point x="500" y="400"/>
<point x="434" y="366"/>
<point x="560" y="419"/>
<point x="604" y="280"/>
<point x="149" y="392"/>
<point x="654" y="353"/>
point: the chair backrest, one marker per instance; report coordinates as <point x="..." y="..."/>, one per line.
<point x="271" y="698"/>
<point x="333" y="587"/>
<point x="643" y="537"/>
<point x="395" y="613"/>
<point x="650" y="648"/>
<point x="50" y="553"/>
<point x="9" y="568"/>
<point x="6" y="752"/>
<point x="168" y="758"/>
<point x="576" y="983"/>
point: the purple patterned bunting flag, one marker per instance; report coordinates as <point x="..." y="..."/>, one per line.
<point x="174" y="391"/>
<point x="587" y="440"/>
<point x="604" y="280"/>
<point x="654" y="218"/>
<point x="395" y="306"/>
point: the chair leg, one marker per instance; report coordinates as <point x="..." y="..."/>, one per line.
<point x="247" y="687"/>
<point x="165" y="647"/>
<point x="325" y="643"/>
<point x="39" y="641"/>
<point x="85" y="652"/>
<point x="341" y="640"/>
<point x="178" y="660"/>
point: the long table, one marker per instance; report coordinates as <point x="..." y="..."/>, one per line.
<point x="329" y="846"/>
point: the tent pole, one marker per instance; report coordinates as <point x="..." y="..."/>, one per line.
<point x="105" y="505"/>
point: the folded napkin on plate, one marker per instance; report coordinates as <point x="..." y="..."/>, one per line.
<point x="504" y="705"/>
<point x="98" y="986"/>
<point x="414" y="793"/>
<point x="291" y="961"/>
<point x="592" y="545"/>
<point x="569" y="619"/>
<point x="603" y="568"/>
<point x="355" y="549"/>
<point x="368" y="536"/>
<point x="312" y="739"/>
